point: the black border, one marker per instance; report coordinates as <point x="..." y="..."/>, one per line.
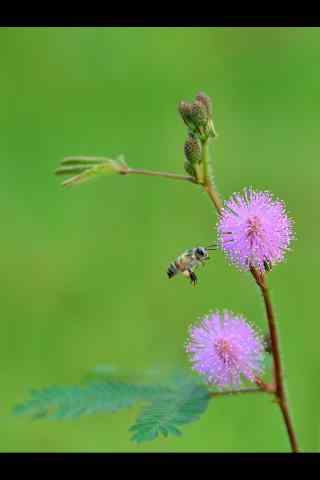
<point x="190" y="462"/>
<point x="186" y="18"/>
<point x="275" y="463"/>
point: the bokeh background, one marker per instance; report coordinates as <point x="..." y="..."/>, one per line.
<point x="83" y="271"/>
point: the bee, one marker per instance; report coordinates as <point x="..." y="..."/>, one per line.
<point x="188" y="261"/>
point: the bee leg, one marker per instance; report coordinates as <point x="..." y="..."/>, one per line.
<point x="193" y="278"/>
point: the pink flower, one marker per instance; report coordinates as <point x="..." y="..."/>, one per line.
<point x="224" y="347"/>
<point x="254" y="229"/>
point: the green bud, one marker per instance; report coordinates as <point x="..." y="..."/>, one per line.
<point x="206" y="101"/>
<point x="199" y="114"/>
<point x="193" y="149"/>
<point x="185" y="112"/>
<point x="189" y="168"/>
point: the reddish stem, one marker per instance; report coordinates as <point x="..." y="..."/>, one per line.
<point x="279" y="390"/>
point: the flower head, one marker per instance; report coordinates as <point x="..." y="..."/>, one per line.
<point x="254" y="230"/>
<point x="224" y="347"/>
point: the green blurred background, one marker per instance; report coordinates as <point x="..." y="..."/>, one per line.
<point x="83" y="270"/>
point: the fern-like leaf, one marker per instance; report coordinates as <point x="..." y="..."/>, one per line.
<point x="166" y="413"/>
<point x="179" y="400"/>
<point x="74" y="401"/>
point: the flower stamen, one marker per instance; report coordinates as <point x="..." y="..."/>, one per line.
<point x="254" y="230"/>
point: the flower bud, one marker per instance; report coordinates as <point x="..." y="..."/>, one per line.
<point x="193" y="149"/>
<point x="199" y="114"/>
<point x="185" y="112"/>
<point x="189" y="168"/>
<point x="206" y="101"/>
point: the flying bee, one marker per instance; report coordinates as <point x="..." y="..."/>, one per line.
<point x="188" y="261"/>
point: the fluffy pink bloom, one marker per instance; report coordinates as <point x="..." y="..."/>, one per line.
<point x="224" y="347"/>
<point x="254" y="229"/>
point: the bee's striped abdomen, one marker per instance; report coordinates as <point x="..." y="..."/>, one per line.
<point x="172" y="270"/>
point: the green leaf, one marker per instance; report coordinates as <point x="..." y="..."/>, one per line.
<point x="105" y="373"/>
<point x="165" y="413"/>
<point x="179" y="400"/>
<point x="87" y="168"/>
<point x="70" y="169"/>
<point x="83" y="160"/>
<point x="74" y="401"/>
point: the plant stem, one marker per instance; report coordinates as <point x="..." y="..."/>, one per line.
<point x="260" y="279"/>
<point x="242" y="390"/>
<point x="208" y="182"/>
<point x="151" y="173"/>
<point x="213" y="196"/>
<point x="278" y="370"/>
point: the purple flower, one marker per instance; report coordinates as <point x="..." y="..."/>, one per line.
<point x="224" y="347"/>
<point x="254" y="229"/>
